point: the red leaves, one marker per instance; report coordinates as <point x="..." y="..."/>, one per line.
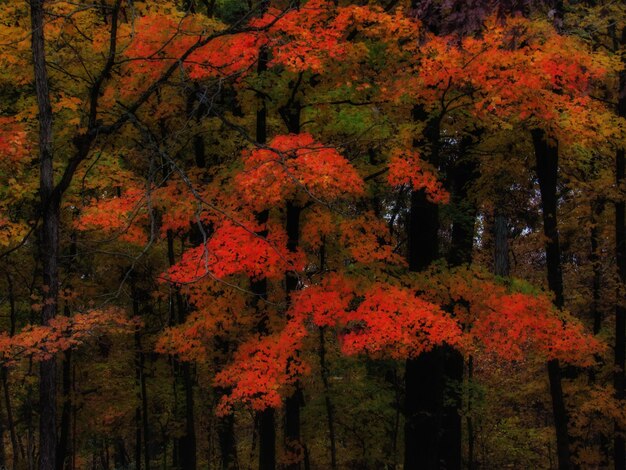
<point x="292" y="165"/>
<point x="510" y="325"/>
<point x="405" y="167"/>
<point x="261" y="369"/>
<point x="394" y="322"/>
<point x="235" y="249"/>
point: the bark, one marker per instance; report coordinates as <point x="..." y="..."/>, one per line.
<point x="265" y="418"/>
<point x="4" y="377"/>
<point x="293" y="442"/>
<point x="547" y="162"/>
<point x="424" y="374"/>
<point x="501" y="265"/>
<point x="292" y="435"/>
<point x="63" y="451"/>
<point x="141" y="412"/>
<point x="187" y="442"/>
<point x="619" y="377"/>
<point x="461" y="176"/>
<point x="620" y="317"/>
<point x="227" y="442"/>
<point x="49" y="238"/>
<point x="330" y="409"/>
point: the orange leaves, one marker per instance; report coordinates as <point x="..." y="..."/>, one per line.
<point x="367" y="240"/>
<point x="296" y="164"/>
<point x="405" y="167"/>
<point x="121" y="216"/>
<point x="13" y="142"/>
<point x="61" y="333"/>
<point x="305" y="39"/>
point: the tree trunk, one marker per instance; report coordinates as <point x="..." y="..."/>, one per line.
<point x="619" y="378"/>
<point x="547" y="162"/>
<point x="63" y="451"/>
<point x="49" y="239"/>
<point x="461" y="176"/>
<point x="294" y="447"/>
<point x="501" y="265"/>
<point x="265" y="418"/>
<point x="330" y="410"/>
<point x="4" y="376"/>
<point x="187" y="442"/>
<point x="424" y="374"/>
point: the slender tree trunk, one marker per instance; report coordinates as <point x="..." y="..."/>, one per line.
<point x="292" y="434"/>
<point x="501" y="265"/>
<point x="547" y="162"/>
<point x="119" y="454"/>
<point x="330" y="410"/>
<point x="594" y="258"/>
<point x="3" y="457"/>
<point x="63" y="451"/>
<point x="227" y="442"/>
<point x="293" y="441"/>
<point x="187" y="442"/>
<point x="137" y="420"/>
<point x="265" y="418"/>
<point x="49" y="239"/>
<point x="144" y="411"/>
<point x="4" y="377"/>
<point x="619" y="377"/>
<point x="141" y="412"/>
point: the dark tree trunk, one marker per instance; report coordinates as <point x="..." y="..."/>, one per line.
<point x="330" y="409"/>
<point x="461" y="176"/>
<point x="141" y="412"/>
<point x="49" y="239"/>
<point x="187" y="442"/>
<point x="4" y="376"/>
<point x="227" y="442"/>
<point x="619" y="378"/>
<point x="3" y="457"/>
<point x="63" y="450"/>
<point x="424" y="374"/>
<point x="292" y="435"/>
<point x="265" y="418"/>
<point x="137" y="420"/>
<point x="66" y="411"/>
<point x="547" y="162"/>
<point x="293" y="442"/>
<point x="119" y="455"/>
<point x="501" y="265"/>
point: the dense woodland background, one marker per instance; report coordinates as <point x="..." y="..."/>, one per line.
<point x="312" y="235"/>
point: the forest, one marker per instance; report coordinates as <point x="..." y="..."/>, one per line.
<point x="312" y="234"/>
